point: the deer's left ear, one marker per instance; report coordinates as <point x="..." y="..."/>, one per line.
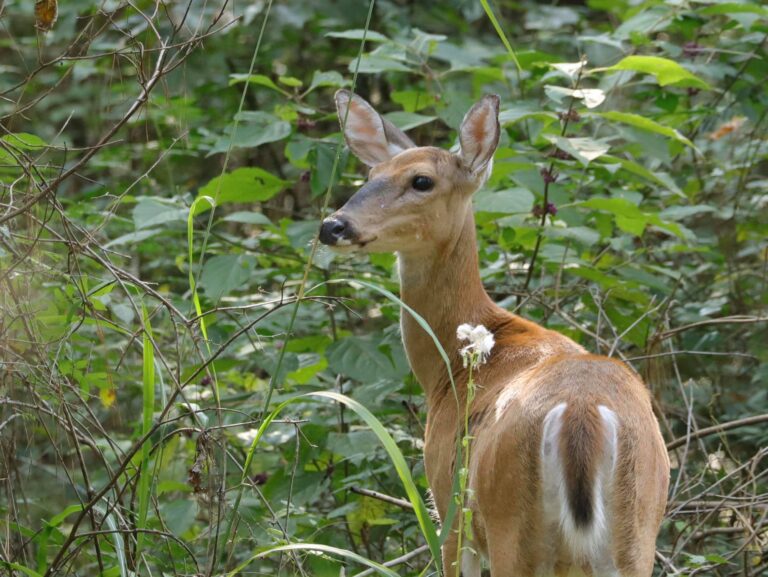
<point x="479" y="134"/>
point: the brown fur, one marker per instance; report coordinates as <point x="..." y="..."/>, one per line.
<point x="530" y="371"/>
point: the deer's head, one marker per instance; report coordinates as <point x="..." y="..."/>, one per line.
<point x="416" y="198"/>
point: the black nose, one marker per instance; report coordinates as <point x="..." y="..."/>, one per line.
<point x="335" y="229"/>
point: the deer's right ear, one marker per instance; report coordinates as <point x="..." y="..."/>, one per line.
<point x="371" y="138"/>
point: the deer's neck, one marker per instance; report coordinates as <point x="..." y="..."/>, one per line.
<point x="445" y="288"/>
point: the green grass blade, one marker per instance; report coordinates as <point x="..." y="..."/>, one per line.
<point x="26" y="570"/>
<point x="422" y="513"/>
<point x="310" y="547"/>
<point x="452" y="508"/>
<point x="117" y="540"/>
<point x="396" y="456"/>
<point x="416" y="316"/>
<point x="190" y="250"/>
<point x="500" y="32"/>
<point x="147" y="413"/>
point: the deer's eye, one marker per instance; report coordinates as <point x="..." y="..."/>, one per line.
<point x="422" y="183"/>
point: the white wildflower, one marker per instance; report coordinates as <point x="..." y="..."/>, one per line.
<point x="481" y="342"/>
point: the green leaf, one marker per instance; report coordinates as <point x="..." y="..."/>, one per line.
<point x="247" y="217"/>
<point x="179" y="515"/>
<point x="248" y="184"/>
<point x="57" y="519"/>
<point x="630" y="166"/>
<point x="374" y="64"/>
<point x="253" y="129"/>
<point x="509" y="201"/>
<point x="224" y="273"/>
<point x="360" y="359"/>
<point x="581" y="234"/>
<point x="24" y="141"/>
<point x="667" y="72"/>
<point x="357" y="34"/>
<point x="290" y="81"/>
<point x="258" y="79"/>
<point x="735" y="8"/>
<point x="616" y="206"/>
<point x="353" y="443"/>
<point x="584" y="150"/>
<point x="133" y="237"/>
<point x="30" y="572"/>
<point x="408" y="120"/>
<point x="644" y="123"/>
<point x="314" y="548"/>
<point x="152" y="211"/>
<point x="330" y="78"/>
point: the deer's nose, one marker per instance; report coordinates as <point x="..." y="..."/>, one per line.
<point x="335" y="230"/>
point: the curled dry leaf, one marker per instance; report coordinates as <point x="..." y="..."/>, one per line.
<point x="46" y="13"/>
<point x="727" y="128"/>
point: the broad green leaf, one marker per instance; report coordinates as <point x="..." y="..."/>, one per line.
<point x="358" y="34"/>
<point x="314" y="548"/>
<point x="353" y="443"/>
<point x="635" y="226"/>
<point x="682" y="212"/>
<point x="248" y="184"/>
<point x="224" y="273"/>
<point x="253" y="129"/>
<point x="584" y="150"/>
<point x="413" y="100"/>
<point x="510" y="201"/>
<point x="258" y="79"/>
<point x="330" y="78"/>
<point x="408" y="120"/>
<point x="639" y="170"/>
<point x="179" y="515"/>
<point x="516" y="113"/>
<point x="735" y="8"/>
<point x="133" y="237"/>
<point x="645" y="124"/>
<point x="629" y="217"/>
<point x="247" y="217"/>
<point x="667" y="72"/>
<point x="290" y="81"/>
<point x="374" y="64"/>
<point x="152" y="211"/>
<point x="31" y="572"/>
<point x="360" y="359"/>
<point x="57" y="519"/>
<point x="581" y="234"/>
<point x="616" y="206"/>
<point x="24" y="141"/>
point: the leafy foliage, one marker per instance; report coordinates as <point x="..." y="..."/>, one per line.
<point x="163" y="171"/>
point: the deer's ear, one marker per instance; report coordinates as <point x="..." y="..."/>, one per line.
<point x="479" y="135"/>
<point x="371" y="138"/>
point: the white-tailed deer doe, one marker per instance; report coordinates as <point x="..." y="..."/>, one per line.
<point x="568" y="472"/>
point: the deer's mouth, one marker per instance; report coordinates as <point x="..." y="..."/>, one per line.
<point x="349" y="246"/>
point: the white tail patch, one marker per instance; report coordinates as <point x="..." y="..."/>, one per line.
<point x="590" y="543"/>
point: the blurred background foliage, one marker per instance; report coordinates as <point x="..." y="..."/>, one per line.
<point x="145" y="334"/>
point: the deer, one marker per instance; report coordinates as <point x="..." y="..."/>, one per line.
<point x="568" y="471"/>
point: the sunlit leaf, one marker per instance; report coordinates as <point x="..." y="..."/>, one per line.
<point x="248" y="184"/>
<point x="646" y="124"/>
<point x="666" y="71"/>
